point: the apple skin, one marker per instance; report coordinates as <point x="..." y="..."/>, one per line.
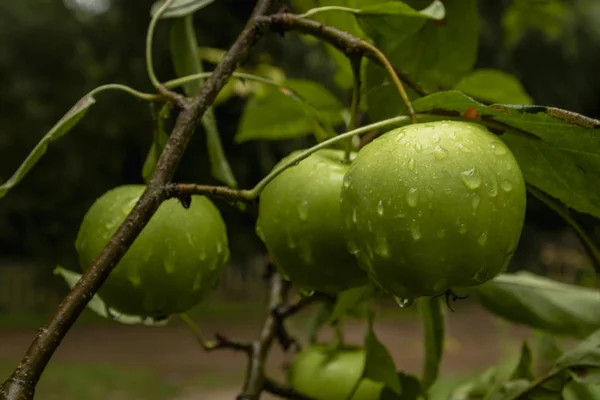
<point x="432" y="206"/>
<point x="319" y="373"/>
<point x="172" y="265"/>
<point x="300" y="223"/>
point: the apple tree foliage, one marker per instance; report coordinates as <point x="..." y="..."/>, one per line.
<point x="435" y="45"/>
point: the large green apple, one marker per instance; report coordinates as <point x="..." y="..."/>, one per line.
<point x="300" y="223"/>
<point x="172" y="265"/>
<point x="325" y="374"/>
<point x="432" y="206"/>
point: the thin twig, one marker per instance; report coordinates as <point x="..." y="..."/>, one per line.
<point x="22" y="382"/>
<point x="221" y="341"/>
<point x="184" y="190"/>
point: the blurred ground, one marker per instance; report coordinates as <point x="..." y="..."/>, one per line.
<point x="115" y="362"/>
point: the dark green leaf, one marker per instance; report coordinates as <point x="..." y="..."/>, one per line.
<point x="579" y="391"/>
<point x="396" y="19"/>
<point x="583" y="361"/>
<point x="289" y="112"/>
<point x="186" y="61"/>
<point x="317" y="320"/>
<point x="558" y="151"/>
<point x="351" y="301"/>
<point x="159" y="140"/>
<point x="541" y="303"/>
<point x="440" y="52"/>
<point x="524" y="370"/>
<point x="379" y="364"/>
<point x="433" y="321"/>
<point x="482" y="385"/>
<point x="179" y="8"/>
<point x="546" y="352"/>
<point x="411" y="389"/>
<point x="97" y="305"/>
<point x="61" y="128"/>
<point x="493" y="86"/>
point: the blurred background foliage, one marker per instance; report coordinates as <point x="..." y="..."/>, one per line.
<point x="53" y="52"/>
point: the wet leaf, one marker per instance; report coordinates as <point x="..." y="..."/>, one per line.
<point x="524" y="369"/>
<point x="97" y="305"/>
<point x="179" y="8"/>
<point x="433" y="321"/>
<point x="541" y="303"/>
<point x="61" y="128"/>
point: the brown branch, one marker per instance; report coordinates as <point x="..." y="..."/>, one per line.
<point x="184" y="191"/>
<point x="22" y="382"/>
<point x="343" y="41"/>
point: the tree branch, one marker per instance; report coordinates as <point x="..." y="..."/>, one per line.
<point x="183" y="191"/>
<point x="343" y="41"/>
<point x="22" y="382"/>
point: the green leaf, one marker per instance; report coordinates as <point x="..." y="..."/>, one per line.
<point x="579" y="391"/>
<point x="179" y="8"/>
<point x="557" y="150"/>
<point x="583" y="361"/>
<point x="546" y="352"/>
<point x="159" y="140"/>
<point x="493" y="86"/>
<point x="396" y="19"/>
<point x="541" y="303"/>
<point x="433" y="321"/>
<point x="439" y="53"/>
<point x="379" y="364"/>
<point x="351" y="301"/>
<point x="61" y="128"/>
<point x="97" y="305"/>
<point x="524" y="369"/>
<point x="186" y="61"/>
<point x="288" y="112"/>
<point x="411" y="389"/>
<point x="317" y="320"/>
<point x="482" y="385"/>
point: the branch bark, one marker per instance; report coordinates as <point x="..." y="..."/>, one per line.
<point x="22" y="382"/>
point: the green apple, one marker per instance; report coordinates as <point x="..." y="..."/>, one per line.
<point x="432" y="206"/>
<point x="325" y="374"/>
<point x="172" y="265"/>
<point x="300" y="223"/>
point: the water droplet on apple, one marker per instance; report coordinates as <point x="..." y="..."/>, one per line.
<point x="471" y="178"/>
<point x="441" y="233"/>
<point x="190" y="239"/>
<point x="381" y="245"/>
<point x="415" y="230"/>
<point x="135" y="279"/>
<point x="369" y="226"/>
<point x="303" y="210"/>
<point x="463" y="229"/>
<point x="482" y="239"/>
<point x="436" y="138"/>
<point x="306" y="253"/>
<point x="412" y="197"/>
<point x="306" y="292"/>
<point x="291" y="242"/>
<point x="197" y="281"/>
<point x="380" y="207"/>
<point x="475" y="201"/>
<point x="481" y="275"/>
<point x="463" y="148"/>
<point x="403" y="303"/>
<point x="219" y="247"/>
<point x="452" y="136"/>
<point x="493" y="189"/>
<point x="354" y="216"/>
<point x="498" y="150"/>
<point x="202" y="254"/>
<point x="411" y="163"/>
<point x="353" y="247"/>
<point x="418" y="147"/>
<point x="506" y="186"/>
<point x="439" y="153"/>
<point x="169" y="263"/>
<point x="399" y="137"/>
<point x="346" y="183"/>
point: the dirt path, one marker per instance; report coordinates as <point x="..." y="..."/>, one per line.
<point x="474" y="340"/>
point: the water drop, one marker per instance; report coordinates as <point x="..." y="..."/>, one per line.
<point x="482" y="240"/>
<point x="169" y="263"/>
<point x="475" y="203"/>
<point x="303" y="210"/>
<point x="415" y="230"/>
<point x="354" y="216"/>
<point x="439" y="153"/>
<point x="418" y="147"/>
<point x="436" y="138"/>
<point x="506" y="186"/>
<point x="135" y="279"/>
<point x="197" y="281"/>
<point x="219" y="247"/>
<point x="412" y="197"/>
<point x="380" y="207"/>
<point x="190" y="239"/>
<point x="463" y="148"/>
<point x="291" y="242"/>
<point x="452" y="136"/>
<point x="440" y="285"/>
<point x="306" y="253"/>
<point x="369" y="226"/>
<point x="441" y="233"/>
<point x="411" y="164"/>
<point x="471" y="178"/>
<point x="463" y="229"/>
<point x="346" y="184"/>
<point x="493" y="190"/>
<point x="481" y="275"/>
<point x="381" y="245"/>
<point x="306" y="292"/>
<point x="353" y="247"/>
<point x="403" y="303"/>
<point x="498" y="150"/>
<point x="399" y="137"/>
<point x="429" y="192"/>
